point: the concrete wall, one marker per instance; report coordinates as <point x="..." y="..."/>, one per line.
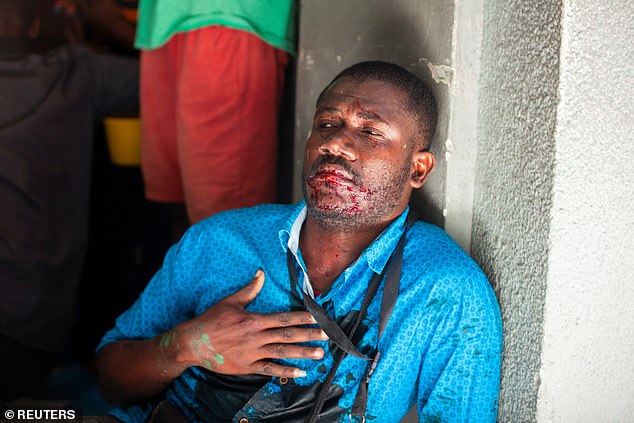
<point x="515" y="168"/>
<point x="553" y="219"/>
<point x="462" y="131"/>
<point x="587" y="368"/>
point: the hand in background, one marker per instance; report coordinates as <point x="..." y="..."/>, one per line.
<point x="107" y="18"/>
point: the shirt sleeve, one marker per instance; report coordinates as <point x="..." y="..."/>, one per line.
<point x="169" y="299"/>
<point x="116" y="91"/>
<point x="460" y="374"/>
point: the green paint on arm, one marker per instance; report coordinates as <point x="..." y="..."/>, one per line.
<point x="167" y="339"/>
<point x="218" y="358"/>
<point x="203" y="341"/>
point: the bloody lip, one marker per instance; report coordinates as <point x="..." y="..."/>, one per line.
<point x="334" y="189"/>
<point x="331" y="179"/>
<point x="332" y="175"/>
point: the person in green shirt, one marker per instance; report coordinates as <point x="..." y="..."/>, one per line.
<point x="212" y="77"/>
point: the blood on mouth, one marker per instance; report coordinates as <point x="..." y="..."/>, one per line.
<point x="353" y="192"/>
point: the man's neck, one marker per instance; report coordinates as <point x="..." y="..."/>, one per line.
<point x="328" y="252"/>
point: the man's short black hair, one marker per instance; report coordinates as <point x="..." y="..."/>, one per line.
<point x="421" y="100"/>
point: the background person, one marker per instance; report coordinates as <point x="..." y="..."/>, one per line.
<point x="212" y="78"/>
<point x="49" y="104"/>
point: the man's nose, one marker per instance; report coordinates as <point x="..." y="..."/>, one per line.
<point x="341" y="144"/>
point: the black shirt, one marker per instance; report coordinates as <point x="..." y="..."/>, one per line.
<point x="49" y="105"/>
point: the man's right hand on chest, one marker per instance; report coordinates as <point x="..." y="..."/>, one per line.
<point x="230" y="340"/>
<point x="225" y="339"/>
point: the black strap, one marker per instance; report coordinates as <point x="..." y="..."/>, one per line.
<point x="390" y="293"/>
<point x="335" y="333"/>
<point x="392" y="273"/>
<point x="327" y="323"/>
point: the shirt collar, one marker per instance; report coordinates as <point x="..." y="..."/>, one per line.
<point x="376" y="255"/>
<point x="289" y="238"/>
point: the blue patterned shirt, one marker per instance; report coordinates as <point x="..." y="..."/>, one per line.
<point x="440" y="350"/>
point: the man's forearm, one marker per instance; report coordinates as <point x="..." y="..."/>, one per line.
<point x="225" y="339"/>
<point x="136" y="370"/>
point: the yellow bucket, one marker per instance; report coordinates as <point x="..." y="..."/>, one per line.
<point x="124" y="140"/>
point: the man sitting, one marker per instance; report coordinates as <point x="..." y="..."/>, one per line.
<point x="397" y="313"/>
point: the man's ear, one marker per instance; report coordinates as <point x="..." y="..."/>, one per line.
<point x="422" y="165"/>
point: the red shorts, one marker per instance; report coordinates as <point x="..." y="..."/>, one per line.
<point x="209" y="110"/>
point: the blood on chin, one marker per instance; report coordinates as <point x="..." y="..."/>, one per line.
<point x="336" y="198"/>
<point x="333" y="206"/>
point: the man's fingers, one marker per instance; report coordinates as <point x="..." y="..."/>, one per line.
<point x="292" y="335"/>
<point x="247" y="294"/>
<point x="285" y="319"/>
<point x="267" y="368"/>
<point x="291" y="351"/>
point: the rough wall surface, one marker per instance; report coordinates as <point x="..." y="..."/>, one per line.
<point x="514" y="173"/>
<point x="587" y="368"/>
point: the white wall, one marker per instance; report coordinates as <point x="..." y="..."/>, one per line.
<point x="462" y="132"/>
<point x="554" y="205"/>
<point x="587" y="369"/>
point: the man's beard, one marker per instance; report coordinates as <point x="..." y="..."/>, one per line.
<point x="370" y="205"/>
